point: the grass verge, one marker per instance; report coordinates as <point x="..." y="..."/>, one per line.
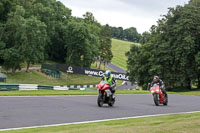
<point x="36" y="77"/>
<point x="192" y="93"/>
<point x="78" y="92"/>
<point x="180" y="123"/>
<point x="69" y="92"/>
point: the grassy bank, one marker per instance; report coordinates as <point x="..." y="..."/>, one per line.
<point x="36" y="77"/>
<point x="181" y="123"/>
<point x="119" y="48"/>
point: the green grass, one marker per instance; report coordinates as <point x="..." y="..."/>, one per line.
<point x="36" y="77"/>
<point x="119" y="48"/>
<point x="180" y="123"/>
<point x="68" y="92"/>
<point x="46" y="93"/>
<point x="78" y="92"/>
<point x="93" y="66"/>
<point x="192" y="93"/>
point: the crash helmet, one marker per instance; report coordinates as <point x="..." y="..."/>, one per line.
<point x="107" y="73"/>
<point x="155" y="78"/>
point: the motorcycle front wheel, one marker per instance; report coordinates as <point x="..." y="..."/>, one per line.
<point x="112" y="102"/>
<point x="100" y="100"/>
<point x="156" y="99"/>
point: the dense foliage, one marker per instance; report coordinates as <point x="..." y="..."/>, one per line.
<point x="171" y="50"/>
<point x="129" y="34"/>
<point x="105" y="46"/>
<point x="32" y="31"/>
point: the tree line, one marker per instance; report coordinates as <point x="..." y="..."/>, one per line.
<point x="129" y="34"/>
<point x="170" y="50"/>
<point x="32" y="31"/>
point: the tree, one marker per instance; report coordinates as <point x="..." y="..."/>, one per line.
<point x="105" y="46"/>
<point x="25" y="38"/>
<point x="194" y="2"/>
<point x="55" y="16"/>
<point x="197" y="60"/>
<point x="34" y="38"/>
<point x="11" y="35"/>
<point x="6" y="6"/>
<point x="81" y="44"/>
<point x="36" y="30"/>
<point x="144" y="37"/>
<point x="131" y="34"/>
<point x="170" y="51"/>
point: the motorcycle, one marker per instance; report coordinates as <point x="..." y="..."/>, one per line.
<point x="105" y="94"/>
<point x="158" y="96"/>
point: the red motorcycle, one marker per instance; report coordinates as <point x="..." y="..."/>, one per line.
<point x="158" y="96"/>
<point x="105" y="94"/>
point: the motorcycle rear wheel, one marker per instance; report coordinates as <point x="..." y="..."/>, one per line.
<point x="156" y="99"/>
<point x="165" y="102"/>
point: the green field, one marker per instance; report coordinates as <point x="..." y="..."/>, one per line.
<point x="180" y="123"/>
<point x="119" y="48"/>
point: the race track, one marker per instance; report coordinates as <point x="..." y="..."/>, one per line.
<point x="18" y="112"/>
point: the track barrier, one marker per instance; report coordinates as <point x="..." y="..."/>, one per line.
<point x="13" y="87"/>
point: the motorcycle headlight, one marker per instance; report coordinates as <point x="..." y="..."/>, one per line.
<point x="157" y="90"/>
<point x="152" y="91"/>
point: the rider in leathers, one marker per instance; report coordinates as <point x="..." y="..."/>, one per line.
<point x="110" y="79"/>
<point x="158" y="81"/>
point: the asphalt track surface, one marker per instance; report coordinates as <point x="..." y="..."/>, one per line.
<point x="16" y="112"/>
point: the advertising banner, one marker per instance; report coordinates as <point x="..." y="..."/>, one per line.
<point x="83" y="71"/>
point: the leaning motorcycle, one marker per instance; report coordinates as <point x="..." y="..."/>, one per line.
<point x="105" y="94"/>
<point x="158" y="95"/>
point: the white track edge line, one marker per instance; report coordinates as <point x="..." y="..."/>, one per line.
<point x="85" y="122"/>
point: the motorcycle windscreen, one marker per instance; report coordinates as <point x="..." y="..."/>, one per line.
<point x="103" y="82"/>
<point x="155" y="86"/>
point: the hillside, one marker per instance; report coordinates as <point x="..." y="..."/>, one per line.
<point x="119" y="48"/>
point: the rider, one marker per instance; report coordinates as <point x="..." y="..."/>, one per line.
<point x="158" y="81"/>
<point x="110" y="79"/>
